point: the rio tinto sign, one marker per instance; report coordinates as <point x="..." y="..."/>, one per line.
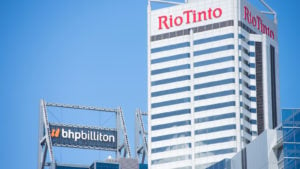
<point x="257" y="22"/>
<point x="188" y="17"/>
<point x="83" y="137"/>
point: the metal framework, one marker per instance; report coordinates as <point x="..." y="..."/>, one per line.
<point x="141" y="145"/>
<point x="271" y="11"/>
<point x="45" y="144"/>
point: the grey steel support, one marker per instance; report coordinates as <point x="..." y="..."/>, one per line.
<point x="41" y="141"/>
<point x="45" y="144"/>
<point x="122" y="128"/>
<point x="141" y="145"/>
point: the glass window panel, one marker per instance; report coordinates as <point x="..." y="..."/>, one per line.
<point x="288" y="135"/>
<point x="297" y="134"/>
<point x="287" y="118"/>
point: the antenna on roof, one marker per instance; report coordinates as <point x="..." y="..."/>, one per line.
<point x="271" y="12"/>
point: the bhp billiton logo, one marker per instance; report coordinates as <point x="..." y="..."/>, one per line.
<point x="82" y="135"/>
<point x="55" y="132"/>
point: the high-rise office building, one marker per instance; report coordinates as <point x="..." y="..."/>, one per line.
<point x="212" y="81"/>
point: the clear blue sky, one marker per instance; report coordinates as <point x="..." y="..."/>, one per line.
<point x="91" y="52"/>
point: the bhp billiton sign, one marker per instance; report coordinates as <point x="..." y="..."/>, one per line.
<point x="83" y="137"/>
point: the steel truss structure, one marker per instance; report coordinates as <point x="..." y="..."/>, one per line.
<point x="141" y="144"/>
<point x="45" y="143"/>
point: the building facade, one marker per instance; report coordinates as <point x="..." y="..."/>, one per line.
<point x="212" y="81"/>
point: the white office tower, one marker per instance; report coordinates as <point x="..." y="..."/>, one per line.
<point x="212" y="81"/>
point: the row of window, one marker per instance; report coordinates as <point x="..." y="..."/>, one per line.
<point x="246" y="28"/>
<point x="247" y="74"/>
<point x="195" y="30"/>
<point x="213" y="39"/>
<point x="247" y="63"/>
<point x="246" y="129"/>
<point x="204" y="74"/>
<point x="213" y="95"/>
<point x="170" y="58"/>
<point x="291" y="135"/>
<point x="215" y="117"/>
<point x="292" y="163"/>
<point x="171" y="113"/>
<point x="247" y="85"/>
<point x="214" y="83"/>
<point x="202" y="120"/>
<point x="170" y="69"/>
<point x="245" y="106"/>
<point x="189" y="145"/>
<point x="196" y="53"/>
<point x="214" y="106"/>
<point x="197" y="155"/>
<point x="196" y="42"/>
<point x="215" y="141"/>
<point x="249" y="98"/>
<point x="204" y="108"/>
<point x="171" y="80"/>
<point x="197" y="132"/>
<point x="170" y="136"/>
<point x="291" y="150"/>
<point x="251" y="121"/>
<point x="170" y="47"/>
<point x="197" y="120"/>
<point x="243" y="38"/>
<point x="171" y="159"/>
<point x="214" y="72"/>
<point x="213" y="50"/>
<point x="171" y="91"/>
<point x="197" y="64"/>
<point x="215" y="129"/>
<point x="204" y="63"/>
<point x="214" y="61"/>
<point x="244" y="50"/>
<point x="197" y="86"/>
<point x="169" y="125"/>
<point x="170" y="148"/>
<point x="196" y="98"/>
<point x="215" y="152"/>
<point x="201" y="41"/>
<point x="171" y="102"/>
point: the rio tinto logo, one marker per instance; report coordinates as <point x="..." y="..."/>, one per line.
<point x="187" y="17"/>
<point x="257" y="22"/>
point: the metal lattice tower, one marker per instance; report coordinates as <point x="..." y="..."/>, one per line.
<point x="141" y="145"/>
<point x="45" y="143"/>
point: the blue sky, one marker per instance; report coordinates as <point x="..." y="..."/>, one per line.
<point x="91" y="53"/>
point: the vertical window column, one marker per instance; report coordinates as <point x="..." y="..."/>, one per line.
<point x="273" y="86"/>
<point x="259" y="88"/>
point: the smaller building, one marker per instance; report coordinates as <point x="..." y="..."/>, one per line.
<point x="274" y="149"/>
<point x="291" y="138"/>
